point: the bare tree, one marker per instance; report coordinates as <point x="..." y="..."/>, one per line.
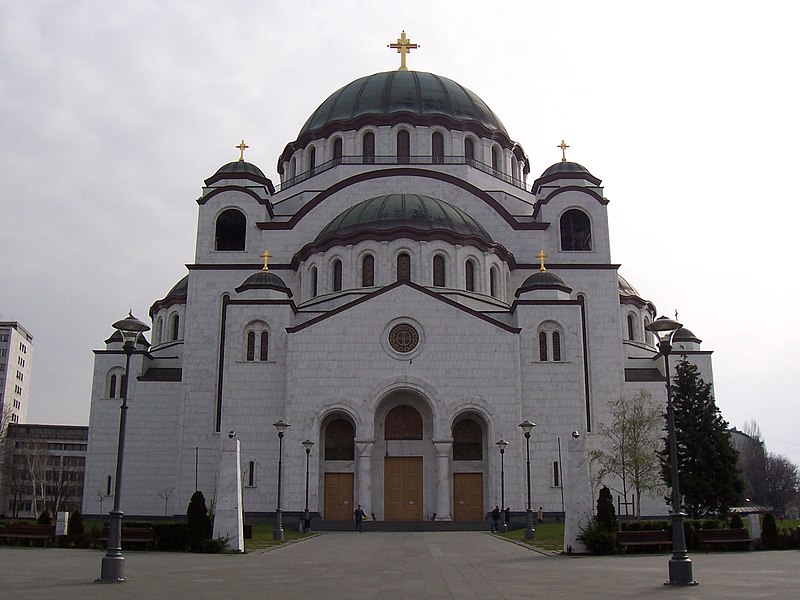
<point x="782" y="481"/>
<point x="752" y="462"/>
<point x="630" y="452"/>
<point x="165" y="494"/>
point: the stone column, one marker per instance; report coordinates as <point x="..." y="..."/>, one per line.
<point x="443" y="450"/>
<point x="364" y="466"/>
<point x="228" y="522"/>
<point x="577" y="493"/>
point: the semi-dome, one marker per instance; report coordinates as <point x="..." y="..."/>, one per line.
<point x="264" y="280"/>
<point x="418" y="97"/>
<point x="404" y="213"/>
<point x="177" y="295"/>
<point x="685" y="335"/>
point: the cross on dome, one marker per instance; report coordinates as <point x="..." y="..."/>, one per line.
<point x="563" y="147"/>
<point x="404" y="46"/>
<point x="266" y="256"/>
<point x="542" y="256"/>
<point x="241" y="148"/>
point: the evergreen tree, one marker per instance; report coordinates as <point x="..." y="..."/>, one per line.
<point x="708" y="474"/>
<point x="198" y="525"/>
<point x="606" y="515"/>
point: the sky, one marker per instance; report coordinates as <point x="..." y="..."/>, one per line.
<point x="113" y="114"/>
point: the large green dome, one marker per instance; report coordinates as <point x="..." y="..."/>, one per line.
<point x="413" y="95"/>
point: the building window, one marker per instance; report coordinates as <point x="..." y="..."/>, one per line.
<point x="368" y="271"/>
<point x="230" y="231"/>
<point x="631" y="328"/>
<point x="251" y="346"/>
<point x="293" y="168"/>
<point x="493" y="282"/>
<point x="469" y="149"/>
<point x="556" y="475"/>
<point x="337" y="275"/>
<point x="403" y="267"/>
<point x="542" y="346"/>
<point x="314" y="282"/>
<point x="437" y="148"/>
<point x="514" y="167"/>
<point x="403" y="147"/>
<point x="403" y="338"/>
<point x="251" y="473"/>
<point x="368" y="148"/>
<point x="576" y="231"/>
<point x="438" y="271"/>
<point x="556" y="346"/>
<point x="340" y="443"/>
<point x="263" y="353"/>
<point x="108" y="485"/>
<point x="495" y="158"/>
<point x="112" y="388"/>
<point x="312" y="159"/>
<point x="337" y="151"/>
<point x="159" y="327"/>
<point x="469" y="276"/>
<point x="467" y="440"/>
<point x="175" y="326"/>
<point x="403" y="423"/>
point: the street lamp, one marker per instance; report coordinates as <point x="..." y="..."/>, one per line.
<point x="307" y="520"/>
<point x="281" y="426"/>
<point x="527" y="426"/>
<point x="502" y="445"/>
<point x="112" y="569"/>
<point x="680" y="566"/>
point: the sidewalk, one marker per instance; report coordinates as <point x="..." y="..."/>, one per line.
<point x="471" y="565"/>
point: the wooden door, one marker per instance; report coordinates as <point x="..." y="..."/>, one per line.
<point x="402" y="488"/>
<point x="338" y="497"/>
<point x="468" y="497"/>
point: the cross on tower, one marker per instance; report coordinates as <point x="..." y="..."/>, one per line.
<point x="266" y="256"/>
<point x="542" y="256"/>
<point x="563" y="147"/>
<point x="241" y="148"/>
<point x="404" y="46"/>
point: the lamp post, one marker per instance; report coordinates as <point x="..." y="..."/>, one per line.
<point x="281" y="426"/>
<point x="680" y="566"/>
<point x="306" y="519"/>
<point x="112" y="569"/>
<point x="502" y="445"/>
<point x="527" y="426"/>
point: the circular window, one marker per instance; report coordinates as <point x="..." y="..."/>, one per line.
<point x="403" y="338"/>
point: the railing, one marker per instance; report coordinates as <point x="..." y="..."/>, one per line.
<point x="400" y="160"/>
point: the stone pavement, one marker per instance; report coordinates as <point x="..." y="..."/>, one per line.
<point x="471" y="565"/>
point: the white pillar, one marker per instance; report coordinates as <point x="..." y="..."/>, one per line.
<point x="577" y="493"/>
<point x="228" y="522"/>
<point x="364" y="495"/>
<point x="443" y="449"/>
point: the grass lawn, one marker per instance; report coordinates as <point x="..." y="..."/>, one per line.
<point x="549" y="536"/>
<point x="262" y="537"/>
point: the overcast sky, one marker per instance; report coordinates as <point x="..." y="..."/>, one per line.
<point x="113" y="113"/>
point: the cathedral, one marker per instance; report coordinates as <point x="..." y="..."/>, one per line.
<point x="403" y="297"/>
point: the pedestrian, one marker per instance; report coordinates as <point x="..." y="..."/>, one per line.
<point x="496" y="519"/>
<point x="358" y="515"/>
<point x="508" y="517"/>
<point x="540" y="515"/>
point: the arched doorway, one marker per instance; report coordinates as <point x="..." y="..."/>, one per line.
<point x="469" y="467"/>
<point x="338" y="459"/>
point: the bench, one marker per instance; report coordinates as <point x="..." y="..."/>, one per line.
<point x="730" y="537"/>
<point x="642" y="539"/>
<point x="134" y="535"/>
<point x="31" y="533"/>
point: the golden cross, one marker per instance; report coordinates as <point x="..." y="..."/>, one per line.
<point x="676" y="314"/>
<point x="563" y="147"/>
<point x="404" y="46"/>
<point x="241" y="148"/>
<point x="541" y="256"/>
<point x="266" y="256"/>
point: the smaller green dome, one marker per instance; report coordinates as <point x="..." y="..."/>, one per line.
<point x="543" y="280"/>
<point x="264" y="280"/>
<point x="240" y="166"/>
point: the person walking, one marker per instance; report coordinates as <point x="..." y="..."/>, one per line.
<point x="358" y="515"/>
<point x="496" y="519"/>
<point x="540" y="515"/>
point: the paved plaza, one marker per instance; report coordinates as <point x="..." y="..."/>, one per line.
<point x="464" y="565"/>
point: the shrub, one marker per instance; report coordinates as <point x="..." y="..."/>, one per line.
<point x="736" y="521"/>
<point x="198" y="524"/>
<point x="212" y="546"/>
<point x="606" y="516"/>
<point x="769" y="529"/>
<point x="598" y="539"/>
<point x="44" y="518"/>
<point x="75" y="523"/>
<point x="171" y="536"/>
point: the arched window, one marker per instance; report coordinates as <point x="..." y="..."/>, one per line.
<point x="556" y="346"/>
<point x="496" y="158"/>
<point x="230" y="230"/>
<point x="631" y="328"/>
<point x="112" y="388"/>
<point x="469" y="149"/>
<point x="368" y="151"/>
<point x="403" y="147"/>
<point x="368" y="270"/>
<point x="437" y="148"/>
<point x="576" y="231"/>
<point x="403" y="267"/>
<point x="337" y="275"/>
<point x="514" y="167"/>
<point x="263" y="353"/>
<point x="337" y="151"/>
<point x="340" y="440"/>
<point x="314" y="290"/>
<point x="403" y="423"/>
<point x="493" y="282"/>
<point x="175" y="327"/>
<point x="293" y="168"/>
<point x="312" y="159"/>
<point x="159" y="328"/>
<point x="251" y="346"/>
<point x="469" y="276"/>
<point x="467" y="440"/>
<point x="438" y="271"/>
<point x="542" y="346"/>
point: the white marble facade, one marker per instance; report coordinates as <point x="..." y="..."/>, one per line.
<point x="477" y="332"/>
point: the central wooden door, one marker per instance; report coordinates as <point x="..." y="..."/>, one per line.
<point x="402" y="488"/>
<point x="338" y="497"/>
<point x="468" y="497"/>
